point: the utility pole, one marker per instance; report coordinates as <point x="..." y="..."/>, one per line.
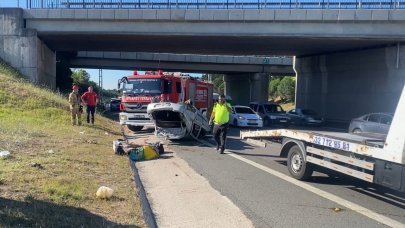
<point x="100" y="84"/>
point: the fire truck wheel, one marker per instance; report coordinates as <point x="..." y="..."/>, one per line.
<point x="134" y="128"/>
<point x="298" y="168"/>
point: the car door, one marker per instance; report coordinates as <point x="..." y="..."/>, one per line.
<point x="260" y="111"/>
<point x="385" y="123"/>
<point x="293" y="115"/>
<point x="372" y="124"/>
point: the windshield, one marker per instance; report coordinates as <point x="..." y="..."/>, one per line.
<point x="143" y="85"/>
<point x="273" y="108"/>
<point x="308" y="112"/>
<point x="241" y="110"/>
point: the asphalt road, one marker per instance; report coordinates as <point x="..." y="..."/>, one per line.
<point x="271" y="201"/>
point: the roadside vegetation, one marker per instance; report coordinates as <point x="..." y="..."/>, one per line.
<point x="54" y="169"/>
<point x="282" y="91"/>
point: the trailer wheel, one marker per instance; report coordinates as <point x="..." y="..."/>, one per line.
<point x="297" y="166"/>
<point x="134" y="128"/>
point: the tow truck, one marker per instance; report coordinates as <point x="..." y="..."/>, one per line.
<point x="378" y="159"/>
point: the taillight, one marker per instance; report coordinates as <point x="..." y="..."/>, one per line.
<point x="122" y="107"/>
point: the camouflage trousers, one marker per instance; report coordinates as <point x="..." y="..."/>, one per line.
<point x="76" y="114"/>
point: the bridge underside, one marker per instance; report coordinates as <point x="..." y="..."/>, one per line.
<point x="224" y="45"/>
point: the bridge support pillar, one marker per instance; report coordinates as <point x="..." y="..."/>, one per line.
<point x="342" y="86"/>
<point x="244" y="88"/>
<point x="23" y="50"/>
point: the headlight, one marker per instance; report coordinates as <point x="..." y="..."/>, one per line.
<point x="123" y="117"/>
<point x="241" y="117"/>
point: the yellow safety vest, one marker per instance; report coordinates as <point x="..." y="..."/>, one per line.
<point x="221" y="113"/>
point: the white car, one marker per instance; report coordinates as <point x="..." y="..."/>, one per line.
<point x="244" y="116"/>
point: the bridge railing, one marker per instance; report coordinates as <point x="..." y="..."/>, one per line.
<point x="216" y="4"/>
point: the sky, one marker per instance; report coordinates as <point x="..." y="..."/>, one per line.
<point x="13" y="3"/>
<point x="110" y="77"/>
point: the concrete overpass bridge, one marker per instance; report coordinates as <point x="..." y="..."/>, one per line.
<point x="183" y="62"/>
<point x="344" y="58"/>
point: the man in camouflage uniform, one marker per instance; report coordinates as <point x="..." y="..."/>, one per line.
<point x="75" y="103"/>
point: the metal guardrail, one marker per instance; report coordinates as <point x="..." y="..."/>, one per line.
<point x="215" y="4"/>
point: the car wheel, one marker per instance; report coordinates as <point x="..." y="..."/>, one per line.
<point x="297" y="166"/>
<point x="357" y="131"/>
<point x="134" y="128"/>
<point x="235" y="123"/>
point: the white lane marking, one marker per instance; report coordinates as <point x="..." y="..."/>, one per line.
<point x="352" y="206"/>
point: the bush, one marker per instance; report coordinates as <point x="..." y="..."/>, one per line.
<point x="286" y="88"/>
<point x="273" y="85"/>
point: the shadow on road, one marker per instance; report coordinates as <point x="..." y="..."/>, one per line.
<point x="37" y="213"/>
<point x="387" y="195"/>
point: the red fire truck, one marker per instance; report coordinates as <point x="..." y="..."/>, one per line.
<point x="156" y="86"/>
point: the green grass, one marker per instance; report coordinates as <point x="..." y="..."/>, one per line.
<point x="74" y="161"/>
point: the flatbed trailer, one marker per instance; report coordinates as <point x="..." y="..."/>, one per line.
<point x="370" y="157"/>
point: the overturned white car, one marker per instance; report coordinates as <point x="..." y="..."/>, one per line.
<point x="177" y="120"/>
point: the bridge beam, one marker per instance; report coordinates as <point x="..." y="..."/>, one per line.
<point x="23" y="50"/>
<point x="342" y="86"/>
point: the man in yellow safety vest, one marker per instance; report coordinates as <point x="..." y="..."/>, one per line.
<point x="220" y="116"/>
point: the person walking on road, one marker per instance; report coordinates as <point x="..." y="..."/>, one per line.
<point x="220" y="116"/>
<point x="90" y="98"/>
<point x="75" y="105"/>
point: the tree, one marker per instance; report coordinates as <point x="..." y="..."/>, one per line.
<point x="286" y="88"/>
<point x="80" y="77"/>
<point x="217" y="81"/>
<point x="273" y="85"/>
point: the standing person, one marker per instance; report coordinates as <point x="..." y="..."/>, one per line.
<point x="75" y="104"/>
<point x="90" y="98"/>
<point x="220" y="116"/>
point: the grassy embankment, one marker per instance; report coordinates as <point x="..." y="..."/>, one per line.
<point x="55" y="169"/>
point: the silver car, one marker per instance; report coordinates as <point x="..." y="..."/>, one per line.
<point x="373" y="122"/>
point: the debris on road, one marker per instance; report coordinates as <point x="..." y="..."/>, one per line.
<point x="4" y="154"/>
<point x="89" y="141"/>
<point x="138" y="153"/>
<point x="104" y="192"/>
<point x="143" y="153"/>
<point x="37" y="165"/>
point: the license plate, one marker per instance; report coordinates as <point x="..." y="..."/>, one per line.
<point x="283" y="121"/>
<point x="139" y="116"/>
<point x="252" y="121"/>
<point x="338" y="144"/>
